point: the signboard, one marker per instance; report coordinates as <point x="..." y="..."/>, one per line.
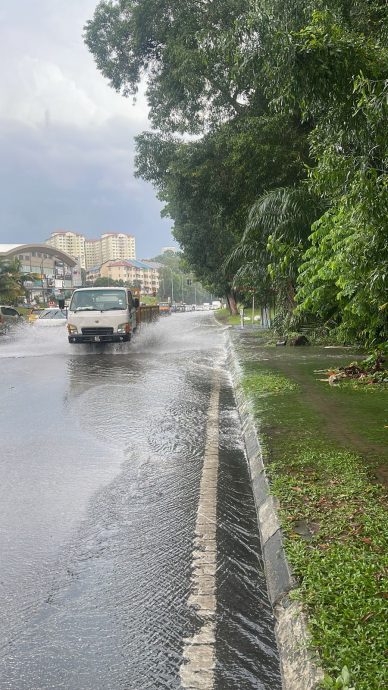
<point x="76" y="276"/>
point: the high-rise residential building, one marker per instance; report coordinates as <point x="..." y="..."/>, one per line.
<point x="70" y="242"/>
<point x="91" y="253"/>
<point x="117" y="245"/>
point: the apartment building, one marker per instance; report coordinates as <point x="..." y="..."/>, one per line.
<point x="132" y="272"/>
<point x="69" y="242"/>
<point x="117" y="245"/>
<point x="91" y="253"/>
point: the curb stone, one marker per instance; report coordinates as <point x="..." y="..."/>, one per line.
<point x="299" y="665"/>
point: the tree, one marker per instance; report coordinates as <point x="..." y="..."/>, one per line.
<point x="210" y="184"/>
<point x="327" y="64"/>
<point x="108" y="282"/>
<point x="12" y="281"/>
<point x="343" y="276"/>
<point x="261" y="81"/>
<point x="188" y="84"/>
<point x="275" y="236"/>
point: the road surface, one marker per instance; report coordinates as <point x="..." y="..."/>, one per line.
<point x="129" y="549"/>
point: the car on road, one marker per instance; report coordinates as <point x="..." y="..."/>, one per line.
<point x="9" y="316"/>
<point x="34" y="313"/>
<point x="51" y="317"/>
<point x="164" y="308"/>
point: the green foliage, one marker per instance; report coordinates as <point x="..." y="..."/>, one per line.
<point x="11" y="281"/>
<point x="108" y="282"/>
<point x="274" y="240"/>
<point x="342" y="682"/>
<point x="344" y="274"/>
<point x="209" y="186"/>
<point x="335" y="520"/>
<point x="167" y="42"/>
<point x="278" y="92"/>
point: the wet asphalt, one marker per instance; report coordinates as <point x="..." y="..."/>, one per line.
<point x="101" y="457"/>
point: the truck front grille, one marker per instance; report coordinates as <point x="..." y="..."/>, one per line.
<point x="97" y="331"/>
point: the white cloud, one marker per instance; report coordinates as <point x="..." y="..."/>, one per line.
<point x="50" y="73"/>
<point x="66" y="136"/>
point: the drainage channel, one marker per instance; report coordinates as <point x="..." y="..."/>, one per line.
<point x="234" y="644"/>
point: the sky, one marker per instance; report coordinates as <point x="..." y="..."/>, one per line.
<point x="66" y="137"/>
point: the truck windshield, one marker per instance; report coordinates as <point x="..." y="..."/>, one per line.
<point x="98" y="300"/>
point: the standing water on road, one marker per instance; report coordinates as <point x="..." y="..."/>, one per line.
<point x="100" y="478"/>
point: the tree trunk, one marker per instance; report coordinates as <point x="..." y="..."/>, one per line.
<point x="231" y="299"/>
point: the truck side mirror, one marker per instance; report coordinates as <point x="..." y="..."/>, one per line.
<point x="61" y="302"/>
<point x="136" y="303"/>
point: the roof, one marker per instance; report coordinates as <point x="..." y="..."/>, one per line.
<point x="65" y="232"/>
<point x="8" y="247"/>
<point x="10" y="250"/>
<point x="116" y="262"/>
<point x="152" y="264"/>
<point x="129" y="263"/>
<point x="116" y="234"/>
<point x="140" y="264"/>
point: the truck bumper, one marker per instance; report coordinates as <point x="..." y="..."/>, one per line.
<point x="111" y="338"/>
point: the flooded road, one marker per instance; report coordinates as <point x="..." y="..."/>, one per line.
<point x="102" y="474"/>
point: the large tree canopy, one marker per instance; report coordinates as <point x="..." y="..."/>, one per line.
<point x="209" y="185"/>
<point x="278" y="91"/>
<point x="168" y="43"/>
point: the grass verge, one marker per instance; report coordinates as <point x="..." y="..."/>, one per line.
<point x="336" y="529"/>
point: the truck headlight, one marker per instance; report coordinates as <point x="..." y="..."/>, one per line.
<point x="71" y="328"/>
<point x="124" y="328"/>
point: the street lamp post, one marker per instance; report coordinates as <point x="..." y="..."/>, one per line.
<point x="172" y="283"/>
<point x="41" y="278"/>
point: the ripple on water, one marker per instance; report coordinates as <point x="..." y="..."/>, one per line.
<point x="111" y="610"/>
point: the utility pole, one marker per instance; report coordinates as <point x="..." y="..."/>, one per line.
<point x="172" y="283"/>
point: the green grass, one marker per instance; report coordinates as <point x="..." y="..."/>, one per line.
<point x="339" y="555"/>
<point x="266" y="382"/>
<point x="225" y="316"/>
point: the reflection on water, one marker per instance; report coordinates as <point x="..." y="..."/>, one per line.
<point x="99" y="515"/>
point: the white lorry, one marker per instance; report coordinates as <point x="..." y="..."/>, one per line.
<point x="102" y="315"/>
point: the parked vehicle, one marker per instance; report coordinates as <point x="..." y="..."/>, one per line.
<point x="106" y="315"/>
<point x="9" y="316"/>
<point x="51" y="317"/>
<point x="34" y="314"/>
<point x="216" y="304"/>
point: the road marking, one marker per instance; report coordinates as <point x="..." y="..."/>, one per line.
<point x="197" y="669"/>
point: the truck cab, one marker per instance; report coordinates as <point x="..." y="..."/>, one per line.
<point x="102" y="315"/>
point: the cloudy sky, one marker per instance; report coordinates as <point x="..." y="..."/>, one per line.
<point x="66" y="138"/>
